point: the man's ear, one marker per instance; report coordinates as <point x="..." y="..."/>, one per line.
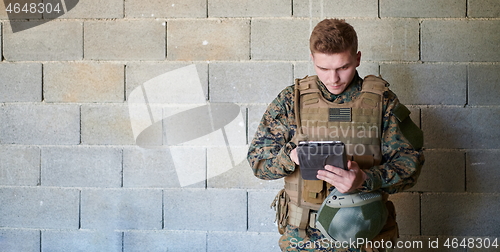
<point x="358" y="58"/>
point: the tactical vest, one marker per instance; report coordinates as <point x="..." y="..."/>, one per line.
<point x="358" y="124"/>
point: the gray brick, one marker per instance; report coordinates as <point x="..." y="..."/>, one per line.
<point x="90" y="9"/>
<point x="261" y="218"/>
<point x="337" y="8"/>
<point x="38" y="207"/>
<point x="249" y="8"/>
<point x="460" y="214"/>
<point x="21" y="82"/>
<point x="459" y="128"/>
<point x="484" y="84"/>
<point x="81" y="240"/>
<point x="106" y="124"/>
<point x="40" y="124"/>
<point x="242" y="242"/>
<point x="223" y="210"/>
<point x="83" y="82"/>
<point x="427" y="83"/>
<point x="423" y="8"/>
<point x="161" y="241"/>
<point x="444" y="171"/>
<point x="81" y="167"/>
<point x="460" y="40"/>
<point x="221" y="39"/>
<point x="65" y="41"/>
<point x="125" y="40"/>
<point x="483" y="8"/>
<point x="482" y="171"/>
<point x="387" y="39"/>
<point x="219" y="124"/>
<point x="19" y="166"/>
<point x="224" y="171"/>
<point x="280" y="39"/>
<point x="140" y="73"/>
<point x="166" y="8"/>
<point x="244" y="83"/>
<point x="407" y="212"/>
<point x="21" y="14"/>
<point x="159" y="168"/>
<point x="14" y="240"/>
<point x="111" y="209"/>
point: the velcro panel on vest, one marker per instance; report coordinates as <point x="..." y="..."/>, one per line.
<point x="408" y="128"/>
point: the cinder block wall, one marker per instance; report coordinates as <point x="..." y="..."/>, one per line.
<point x="72" y="177"/>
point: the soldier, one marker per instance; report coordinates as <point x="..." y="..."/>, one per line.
<point x="384" y="146"/>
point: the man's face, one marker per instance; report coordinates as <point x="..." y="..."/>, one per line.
<point x="336" y="70"/>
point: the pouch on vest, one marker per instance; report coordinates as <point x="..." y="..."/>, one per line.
<point x="314" y="191"/>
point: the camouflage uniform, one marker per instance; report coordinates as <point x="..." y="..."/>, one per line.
<point x="269" y="152"/>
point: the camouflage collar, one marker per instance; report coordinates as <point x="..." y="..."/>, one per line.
<point x="349" y="93"/>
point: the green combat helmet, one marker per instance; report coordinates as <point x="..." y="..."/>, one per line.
<point x="349" y="217"/>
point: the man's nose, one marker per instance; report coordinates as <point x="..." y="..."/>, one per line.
<point x="334" y="76"/>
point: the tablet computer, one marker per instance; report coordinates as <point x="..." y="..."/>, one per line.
<point x="314" y="155"/>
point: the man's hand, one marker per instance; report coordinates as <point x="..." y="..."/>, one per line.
<point x="294" y="156"/>
<point x="344" y="181"/>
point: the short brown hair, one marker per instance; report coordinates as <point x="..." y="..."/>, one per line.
<point x="333" y="36"/>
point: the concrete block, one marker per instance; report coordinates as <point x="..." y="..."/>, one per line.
<point x="423" y="9"/>
<point x="39" y="124"/>
<point x="261" y="217"/>
<point x="248" y="82"/>
<point x="83" y="82"/>
<point x="140" y="73"/>
<point x="221" y="39"/>
<point x="224" y="171"/>
<point x="280" y="39"/>
<point x="161" y="241"/>
<point x="21" y="82"/>
<point x="209" y="210"/>
<point x="39" y="208"/>
<point x="444" y="171"/>
<point x="483" y="8"/>
<point x="482" y="171"/>
<point x="242" y="242"/>
<point x="166" y="8"/>
<point x="125" y="40"/>
<point x="387" y="39"/>
<point x="460" y="40"/>
<point x="81" y="240"/>
<point x="91" y="9"/>
<point x="112" y="209"/>
<point x="338" y="8"/>
<point x="81" y="167"/>
<point x="249" y="8"/>
<point x="415" y="115"/>
<point x="427" y="84"/>
<point x="21" y="14"/>
<point x="484" y="84"/>
<point x="159" y="168"/>
<point x="462" y="214"/>
<point x="19" y="166"/>
<point x="106" y="124"/>
<point x="15" y="240"/>
<point x="461" y="128"/>
<point x="407" y="212"/>
<point x="51" y="41"/>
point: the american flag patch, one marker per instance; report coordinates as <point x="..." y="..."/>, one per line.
<point x="339" y="115"/>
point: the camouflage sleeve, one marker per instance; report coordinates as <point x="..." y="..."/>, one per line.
<point x="269" y="150"/>
<point x="401" y="161"/>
